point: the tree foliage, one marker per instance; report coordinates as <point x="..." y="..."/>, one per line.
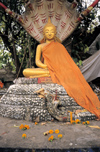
<point x="20" y="46"/>
<point x="84" y="35"/>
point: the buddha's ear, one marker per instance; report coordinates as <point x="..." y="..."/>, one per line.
<point x="43" y="40"/>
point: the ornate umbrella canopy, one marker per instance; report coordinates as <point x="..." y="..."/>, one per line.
<point x="63" y="14"/>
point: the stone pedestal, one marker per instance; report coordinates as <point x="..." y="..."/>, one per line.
<point x="22" y="102"/>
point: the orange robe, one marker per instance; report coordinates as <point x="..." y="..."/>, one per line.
<point x="65" y="72"/>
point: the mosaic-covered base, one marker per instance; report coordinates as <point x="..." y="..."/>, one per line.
<point x="21" y="102"/>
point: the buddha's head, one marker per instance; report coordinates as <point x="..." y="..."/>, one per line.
<point x="49" y="31"/>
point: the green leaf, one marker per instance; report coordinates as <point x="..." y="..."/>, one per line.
<point x="80" y="62"/>
<point x="86" y="49"/>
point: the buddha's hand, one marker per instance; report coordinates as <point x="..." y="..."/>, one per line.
<point x="46" y="67"/>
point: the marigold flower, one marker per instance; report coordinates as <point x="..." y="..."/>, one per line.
<point x="21" y="126"/>
<point x="24" y="127"/>
<point x="27" y="127"/>
<point x="56" y="131"/>
<point x="51" y="131"/>
<point x="51" y="138"/>
<point x="83" y="123"/>
<point x="36" y="123"/>
<point x="87" y="122"/>
<point x="24" y="135"/>
<point x="60" y="136"/>
<point x="1" y="84"/>
<point x="77" y="121"/>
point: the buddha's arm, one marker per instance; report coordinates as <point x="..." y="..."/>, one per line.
<point x="38" y="57"/>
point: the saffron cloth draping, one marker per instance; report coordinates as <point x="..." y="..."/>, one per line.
<point x="65" y="72"/>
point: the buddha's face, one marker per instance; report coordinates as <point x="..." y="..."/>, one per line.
<point x="49" y="33"/>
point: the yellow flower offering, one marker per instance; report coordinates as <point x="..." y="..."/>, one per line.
<point x="51" y="138"/>
<point x="24" y="127"/>
<point x="87" y="122"/>
<point x="57" y="131"/>
<point x="83" y="123"/>
<point x="51" y="131"/>
<point x="77" y="121"/>
<point x="21" y="126"/>
<point x="36" y="123"/>
<point x="27" y="126"/>
<point x="24" y="135"/>
<point x="60" y="136"/>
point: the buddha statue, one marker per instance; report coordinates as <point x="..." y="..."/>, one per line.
<point x="60" y="66"/>
<point x="49" y="32"/>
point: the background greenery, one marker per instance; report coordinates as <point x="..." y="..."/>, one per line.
<point x="17" y="48"/>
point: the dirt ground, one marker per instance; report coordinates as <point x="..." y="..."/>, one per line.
<point x="74" y="135"/>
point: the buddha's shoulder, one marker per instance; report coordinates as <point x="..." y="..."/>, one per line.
<point x="42" y="45"/>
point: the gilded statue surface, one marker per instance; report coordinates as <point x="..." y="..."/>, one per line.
<point x="60" y="66"/>
<point x="49" y="33"/>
